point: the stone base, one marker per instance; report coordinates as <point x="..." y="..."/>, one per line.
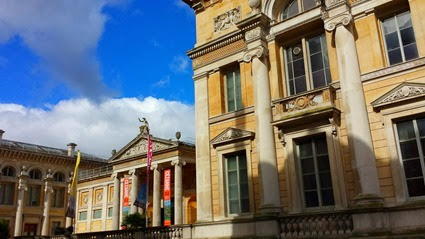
<point x="369" y="200"/>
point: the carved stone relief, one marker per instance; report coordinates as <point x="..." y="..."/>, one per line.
<point x="405" y="91"/>
<point x="231" y="134"/>
<point x="226" y="20"/>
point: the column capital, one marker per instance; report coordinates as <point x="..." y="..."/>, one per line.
<point x="200" y="76"/>
<point x="115" y="176"/>
<point x="178" y="162"/>
<point x="132" y="171"/>
<point x="155" y="167"/>
<point x="258" y="52"/>
<point x="337" y="13"/>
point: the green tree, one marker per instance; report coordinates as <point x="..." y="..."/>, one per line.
<point x="4" y="229"/>
<point x="134" y="221"/>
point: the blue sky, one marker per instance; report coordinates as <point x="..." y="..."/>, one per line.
<point x="89" y="66"/>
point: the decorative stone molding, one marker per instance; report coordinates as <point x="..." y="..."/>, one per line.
<point x="343" y="19"/>
<point x="255" y="52"/>
<point x="132" y="171"/>
<point x="334" y="126"/>
<point x="255" y="34"/>
<point x="334" y="3"/>
<point x="394" y="69"/>
<point x="214" y="45"/>
<point x="178" y="162"/>
<point x="155" y="166"/>
<point x="226" y="20"/>
<point x="232" y="134"/>
<point x="282" y="138"/>
<point x="405" y="91"/>
<point x="302" y="102"/>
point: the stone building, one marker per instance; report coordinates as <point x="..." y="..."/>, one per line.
<point x="102" y="208"/>
<point x="309" y="117"/>
<point x="34" y="182"/>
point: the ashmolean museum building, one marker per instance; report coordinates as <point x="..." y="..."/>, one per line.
<point x="310" y="118"/>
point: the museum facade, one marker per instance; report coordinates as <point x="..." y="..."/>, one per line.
<point x="310" y="118"/>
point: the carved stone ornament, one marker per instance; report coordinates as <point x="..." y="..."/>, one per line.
<point x="282" y="138"/>
<point x="405" y="91"/>
<point x="256" y="52"/>
<point x="142" y="147"/>
<point x="178" y="162"/>
<point x="342" y="19"/>
<point x="99" y="197"/>
<point x="226" y="20"/>
<point x="254" y="34"/>
<point x="332" y="3"/>
<point x="232" y="134"/>
<point x="302" y="102"/>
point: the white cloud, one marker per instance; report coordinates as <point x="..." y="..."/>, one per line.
<point x="179" y="64"/>
<point x="64" y="34"/>
<point x="97" y="128"/>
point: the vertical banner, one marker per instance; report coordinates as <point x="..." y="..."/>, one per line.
<point x="167" y="197"/>
<point x="126" y="197"/>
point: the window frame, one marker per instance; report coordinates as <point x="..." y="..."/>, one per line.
<point x="28" y="195"/>
<point x="232" y="69"/>
<point x="2" y="187"/>
<point x="421" y="151"/>
<point x="316" y="171"/>
<point x="301" y="9"/>
<point x="381" y="22"/>
<point x="79" y="216"/>
<point x="296" y="199"/>
<point x="304" y="40"/>
<point x="226" y="158"/>
<point x="94" y="213"/>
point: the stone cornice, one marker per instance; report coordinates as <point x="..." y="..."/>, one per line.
<point x="232" y="134"/>
<point x="200" y="5"/>
<point x="215" y="44"/>
<point x="394" y="69"/>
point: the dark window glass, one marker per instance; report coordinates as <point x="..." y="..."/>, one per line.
<point x="233" y="89"/>
<point x="35" y="174"/>
<point x="290" y="10"/>
<point x="59" y="177"/>
<point x="237" y="184"/>
<point x="411" y="147"/>
<point x="58" y="197"/>
<point x="33" y="196"/>
<point x="295" y="69"/>
<point x="400" y="38"/>
<point x="8" y="171"/>
<point x="315" y="171"/>
<point x="309" y="4"/>
<point x="7" y="193"/>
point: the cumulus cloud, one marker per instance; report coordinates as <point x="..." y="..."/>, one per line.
<point x="179" y="64"/>
<point x="97" y="128"/>
<point x="64" y="34"/>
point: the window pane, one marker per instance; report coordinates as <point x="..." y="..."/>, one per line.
<point x="321" y="146"/>
<point x="243" y="176"/>
<point x="234" y="206"/>
<point x="395" y="56"/>
<point x="316" y="62"/>
<point x="409" y="149"/>
<point x="392" y="41"/>
<point x="413" y="168"/>
<point x="328" y="197"/>
<point x="407" y="36"/>
<point x="325" y="180"/>
<point x="233" y="178"/>
<point x="323" y="163"/>
<point x="238" y="90"/>
<point x="405" y="130"/>
<point x="309" y="182"/>
<point x="319" y="79"/>
<point x="242" y="162"/>
<point x="307" y="165"/>
<point x="231" y="163"/>
<point x="300" y="84"/>
<point x="306" y="149"/>
<point x="410" y="52"/>
<point x="389" y="26"/>
<point x="416" y="187"/>
<point x="299" y="70"/>
<point x="403" y="20"/>
<point x="314" y="45"/>
<point x="245" y="205"/>
<point x="244" y="190"/>
<point x="311" y="199"/>
<point x="421" y="126"/>
<point x="291" y="10"/>
<point x="110" y="211"/>
<point x="308" y="4"/>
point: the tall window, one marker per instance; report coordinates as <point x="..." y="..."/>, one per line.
<point x="316" y="74"/>
<point x="97" y="214"/>
<point x="8" y="171"/>
<point x="7" y="193"/>
<point x="293" y="7"/>
<point x="33" y="196"/>
<point x="237" y="183"/>
<point x="315" y="173"/>
<point x="399" y="38"/>
<point x="233" y="90"/>
<point x="58" y="197"/>
<point x="411" y="142"/>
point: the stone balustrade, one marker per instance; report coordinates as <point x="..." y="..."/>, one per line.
<point x="164" y="233"/>
<point x="317" y="225"/>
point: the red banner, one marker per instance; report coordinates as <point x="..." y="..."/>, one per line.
<point x="126" y="193"/>
<point x="167" y="197"/>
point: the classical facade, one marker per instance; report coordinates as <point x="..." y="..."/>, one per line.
<point x="106" y="195"/>
<point x="34" y="183"/>
<point x="309" y="118"/>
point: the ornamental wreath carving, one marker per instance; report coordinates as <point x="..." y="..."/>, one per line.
<point x="228" y="19"/>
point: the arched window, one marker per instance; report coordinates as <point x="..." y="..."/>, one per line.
<point x="59" y="177"/>
<point x="295" y="7"/>
<point x="35" y="174"/>
<point x="8" y="171"/>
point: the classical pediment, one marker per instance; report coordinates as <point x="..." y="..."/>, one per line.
<point x="404" y="92"/>
<point x="139" y="146"/>
<point x="232" y="134"/>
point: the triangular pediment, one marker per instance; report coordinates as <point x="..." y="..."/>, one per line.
<point x="403" y="92"/>
<point x="139" y="147"/>
<point x="232" y="134"/>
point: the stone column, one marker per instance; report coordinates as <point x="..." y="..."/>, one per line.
<point x="156" y="220"/>
<point x="178" y="191"/>
<point x="134" y="190"/>
<point x="116" y="203"/>
<point x="339" y="20"/>
<point x="48" y="190"/>
<point x="266" y="151"/>
<point x="203" y="164"/>
<point x="22" y="188"/>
